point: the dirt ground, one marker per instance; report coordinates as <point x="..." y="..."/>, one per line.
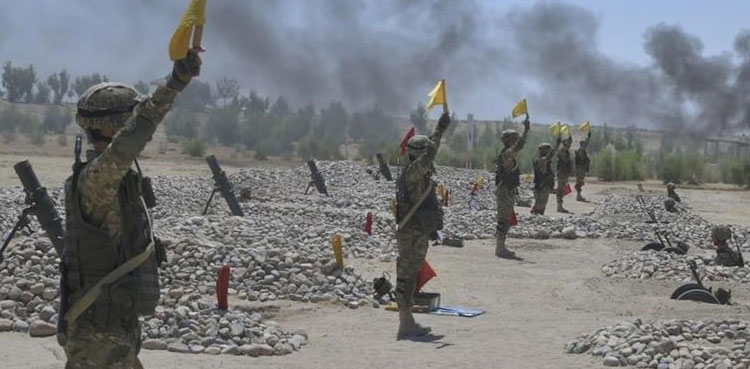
<point x="533" y="307"/>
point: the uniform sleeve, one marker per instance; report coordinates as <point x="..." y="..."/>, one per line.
<point x="100" y="180"/>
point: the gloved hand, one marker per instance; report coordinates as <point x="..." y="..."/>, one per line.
<point x="526" y="124"/>
<point x="444" y="121"/>
<point x="559" y="140"/>
<point x="184" y="70"/>
<point x="589" y="135"/>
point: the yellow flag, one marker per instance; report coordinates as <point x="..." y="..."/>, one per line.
<point x="585" y="127"/>
<point x="437" y="96"/>
<point x="519" y="109"/>
<point x="338" y="253"/>
<point x="555" y="129"/>
<point x="565" y="130"/>
<point x="195" y="15"/>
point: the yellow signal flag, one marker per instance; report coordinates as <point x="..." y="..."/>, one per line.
<point x="585" y="127"/>
<point x="480" y="182"/>
<point x="565" y="130"/>
<point x="437" y="97"/>
<point x="441" y="190"/>
<point x="338" y="253"/>
<point x="519" y="109"/>
<point x="195" y="16"/>
<point x="555" y="129"/>
<point x="528" y="178"/>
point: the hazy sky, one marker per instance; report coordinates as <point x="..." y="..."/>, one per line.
<point x="391" y="52"/>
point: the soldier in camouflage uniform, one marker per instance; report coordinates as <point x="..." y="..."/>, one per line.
<point x="671" y="193"/>
<point x="582" y="162"/>
<point x="507" y="180"/>
<point x="725" y="256"/>
<point x="108" y="226"/>
<point x="415" y="182"/>
<point x="564" y="170"/>
<point x="544" y="177"/>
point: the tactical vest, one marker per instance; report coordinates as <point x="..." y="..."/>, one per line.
<point x="582" y="160"/>
<point x="564" y="165"/>
<point x="508" y="178"/>
<point x="429" y="216"/>
<point x="91" y="253"/>
<point x="543" y="180"/>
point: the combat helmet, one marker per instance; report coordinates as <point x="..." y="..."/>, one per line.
<point x="671" y="186"/>
<point x="721" y="233"/>
<point x="106" y="105"/>
<point x="417" y="144"/>
<point x="544" y="146"/>
<point x="508" y="134"/>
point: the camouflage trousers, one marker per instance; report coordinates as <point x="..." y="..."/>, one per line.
<point x="505" y="198"/>
<point x="580" y="180"/>
<point x="412" y="249"/>
<point x="562" y="181"/>
<point x="90" y="348"/>
<point x="541" y="196"/>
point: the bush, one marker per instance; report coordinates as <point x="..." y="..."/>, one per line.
<point x="604" y="165"/>
<point x="193" y="147"/>
<point x="56" y="119"/>
<point x="673" y="168"/>
<point x="260" y="153"/>
<point x="311" y="147"/>
<point x="181" y="123"/>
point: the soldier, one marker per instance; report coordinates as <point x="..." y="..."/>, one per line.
<point x="671" y="192"/>
<point x="544" y="177"/>
<point x="582" y="162"/>
<point x="507" y="180"/>
<point x="720" y="236"/>
<point x="671" y="206"/>
<point x="109" y="242"/>
<point x="413" y="184"/>
<point x="564" y="170"/>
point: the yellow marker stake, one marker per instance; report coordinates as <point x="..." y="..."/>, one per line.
<point x="338" y="253"/>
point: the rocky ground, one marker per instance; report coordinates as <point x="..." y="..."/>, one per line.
<point x="670" y="344"/>
<point x="280" y="251"/>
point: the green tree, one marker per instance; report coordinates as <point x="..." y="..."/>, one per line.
<point x="56" y="119"/>
<point x="227" y="89"/>
<point x="181" y="123"/>
<point x="333" y="124"/>
<point x="19" y="82"/>
<point x="42" y="93"/>
<point x="59" y="83"/>
<point x="418" y="118"/>
<point x="196" y="96"/>
<point x="223" y="125"/>
<point x="82" y="83"/>
<point x="142" y="87"/>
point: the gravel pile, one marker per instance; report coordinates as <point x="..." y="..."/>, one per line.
<point x="668" y="266"/>
<point x="710" y="344"/>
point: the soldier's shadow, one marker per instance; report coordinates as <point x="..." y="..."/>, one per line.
<point x="429" y="338"/>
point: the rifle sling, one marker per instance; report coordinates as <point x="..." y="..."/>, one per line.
<point x="414" y="208"/>
<point x="80" y="306"/>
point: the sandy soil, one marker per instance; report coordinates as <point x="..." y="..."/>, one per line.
<point x="533" y="306"/>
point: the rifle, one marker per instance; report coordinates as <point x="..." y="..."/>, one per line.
<point x="384" y="169"/>
<point x="317" y="179"/>
<point x="41" y="205"/>
<point x="653" y="219"/>
<point x="740" y="259"/>
<point x="222" y="185"/>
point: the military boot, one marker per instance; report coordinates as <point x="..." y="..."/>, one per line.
<point x="580" y="198"/>
<point x="407" y="326"/>
<point x="561" y="209"/>
<point x="501" y="251"/>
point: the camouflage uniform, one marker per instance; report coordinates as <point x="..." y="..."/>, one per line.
<point x="507" y="180"/>
<point x="671" y="192"/>
<point x="725" y="256"/>
<point x="564" y="170"/>
<point x="544" y="178"/>
<point x="582" y="162"/>
<point x="414" y="236"/>
<point x="108" y="335"/>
